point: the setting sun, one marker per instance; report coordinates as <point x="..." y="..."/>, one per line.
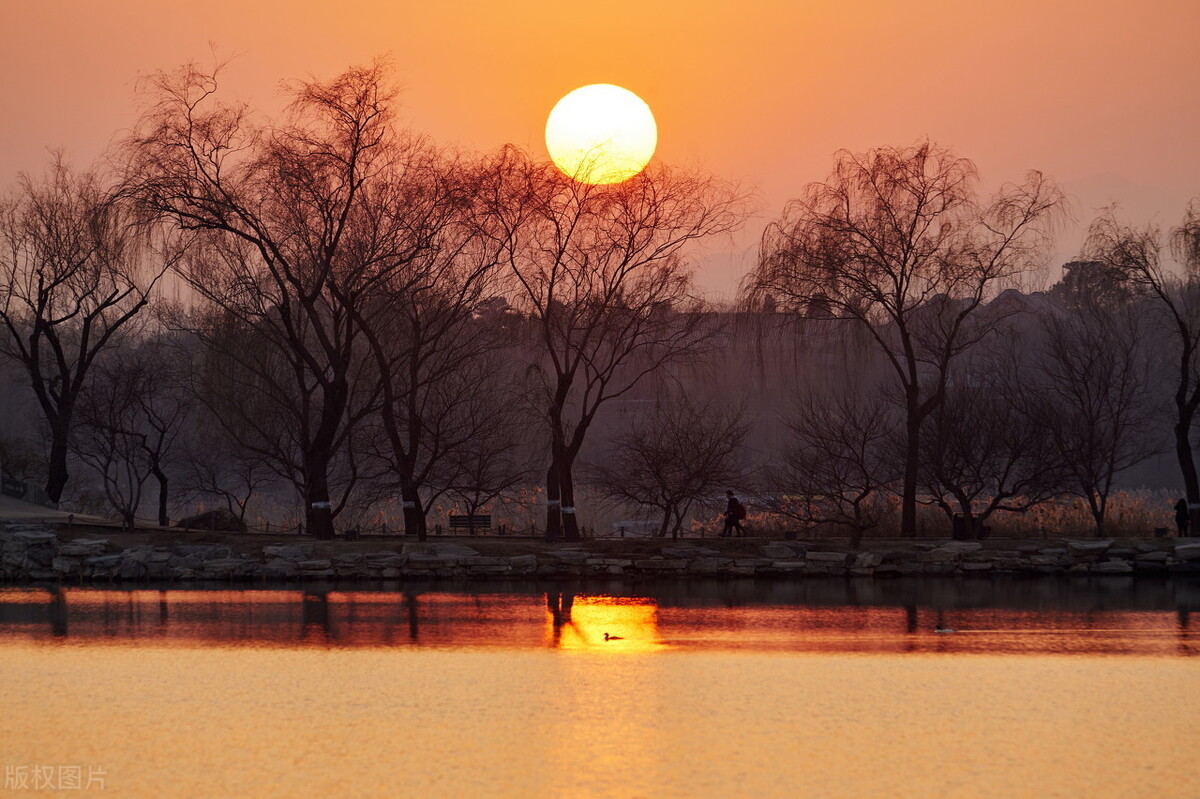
<point x="601" y="134"/>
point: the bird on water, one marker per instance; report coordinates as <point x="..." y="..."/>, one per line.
<point x="941" y="629"/>
<point x="608" y="637"/>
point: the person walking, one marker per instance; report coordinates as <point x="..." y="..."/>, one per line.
<point x="735" y="511"/>
<point x="1181" y="517"/>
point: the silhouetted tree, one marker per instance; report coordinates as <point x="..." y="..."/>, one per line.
<point x="76" y="268"/>
<point x="434" y="357"/>
<point x="1088" y="391"/>
<point x="599" y="270"/>
<point x="301" y="222"/>
<point x="217" y="466"/>
<point x="898" y="241"/>
<point x="838" y="464"/>
<point x="1135" y="254"/>
<point x="110" y="438"/>
<point x="681" y="454"/>
<point x="495" y="460"/>
<point x="162" y="406"/>
<point x="980" y="453"/>
<point x="261" y="414"/>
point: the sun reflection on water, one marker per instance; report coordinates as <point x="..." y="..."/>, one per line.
<point x="422" y="692"/>
<point x="575" y="622"/>
<point x="602" y="623"/>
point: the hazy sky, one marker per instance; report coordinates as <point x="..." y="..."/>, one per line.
<point x="1104" y="96"/>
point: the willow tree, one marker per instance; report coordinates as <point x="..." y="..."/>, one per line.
<point x="77" y="266"/>
<point x="301" y="220"/>
<point x="600" y="272"/>
<point x="1135" y="254"/>
<point x="898" y="241"/>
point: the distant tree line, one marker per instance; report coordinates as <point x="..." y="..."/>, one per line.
<point x="331" y="308"/>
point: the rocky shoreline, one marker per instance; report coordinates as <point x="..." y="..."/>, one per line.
<point x="35" y="553"/>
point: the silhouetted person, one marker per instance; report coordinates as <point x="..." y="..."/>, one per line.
<point x="1181" y="516"/>
<point x="735" y="511"/>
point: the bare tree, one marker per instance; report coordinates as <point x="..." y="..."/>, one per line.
<point x="980" y="454"/>
<point x="897" y="240"/>
<point x="599" y="270"/>
<point x="430" y="349"/>
<point x="496" y="462"/>
<point x="76" y="267"/>
<point x="680" y="455"/>
<point x="1135" y="254"/>
<point x="162" y="406"/>
<point x="301" y="221"/>
<point x="838" y="465"/>
<point x="109" y="438"/>
<point x="262" y="415"/>
<point x="217" y="466"/>
<point x="1089" y="393"/>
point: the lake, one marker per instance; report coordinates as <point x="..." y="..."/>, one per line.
<point x="720" y="688"/>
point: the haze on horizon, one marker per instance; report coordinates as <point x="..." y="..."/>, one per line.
<point x="1101" y="95"/>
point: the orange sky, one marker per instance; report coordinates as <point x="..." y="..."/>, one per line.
<point x="1105" y="96"/>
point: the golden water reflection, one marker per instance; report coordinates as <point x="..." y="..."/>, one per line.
<point x="602" y="623"/>
<point x="492" y="693"/>
<point x="576" y="622"/>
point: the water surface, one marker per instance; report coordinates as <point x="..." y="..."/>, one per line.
<point x="724" y="690"/>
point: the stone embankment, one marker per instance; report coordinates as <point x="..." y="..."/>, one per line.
<point x="35" y="553"/>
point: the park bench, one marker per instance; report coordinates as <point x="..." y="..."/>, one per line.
<point x="478" y="522"/>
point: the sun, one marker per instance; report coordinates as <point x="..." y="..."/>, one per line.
<point x="601" y="134"/>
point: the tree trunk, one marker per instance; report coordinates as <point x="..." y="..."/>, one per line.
<point x="1097" y="506"/>
<point x="1183" y="451"/>
<point x="856" y="537"/>
<point x="414" y="511"/>
<point x="317" y="511"/>
<point x="908" y="496"/>
<point x="56" y="472"/>
<point x="970" y="525"/>
<point x="570" y="521"/>
<point x="666" y="524"/>
<point x="161" y="477"/>
<point x="553" y="502"/>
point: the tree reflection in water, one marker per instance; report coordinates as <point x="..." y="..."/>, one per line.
<point x="1148" y="617"/>
<point x="559" y="603"/>
<point x="603" y="623"/>
<point x="315" y="617"/>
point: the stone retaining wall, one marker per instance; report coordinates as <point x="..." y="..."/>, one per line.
<point x="32" y="553"/>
